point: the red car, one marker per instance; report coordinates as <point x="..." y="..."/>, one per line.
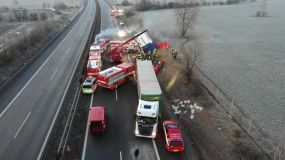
<point x="97" y="119"/>
<point x="173" y="137"/>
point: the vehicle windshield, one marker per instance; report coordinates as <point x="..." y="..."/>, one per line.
<point x="93" y="64"/>
<point x="87" y="86"/>
<point x="148" y="120"/>
<point x="176" y="143"/>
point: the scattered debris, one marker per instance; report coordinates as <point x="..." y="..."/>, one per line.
<point x="181" y="107"/>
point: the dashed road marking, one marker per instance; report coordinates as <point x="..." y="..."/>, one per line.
<point x="53" y="74"/>
<point x="13" y="100"/>
<point x="61" y="102"/>
<point x="22" y="125"/>
<point x="67" y="51"/>
<point x="116" y="94"/>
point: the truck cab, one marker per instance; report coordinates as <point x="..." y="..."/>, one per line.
<point x="89" y="85"/>
<point x="173" y="137"/>
<point x="97" y="119"/>
<point x="147" y="119"/>
<point x="95" y="49"/>
<point x="94" y="65"/>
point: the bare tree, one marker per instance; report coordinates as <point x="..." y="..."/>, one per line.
<point x="279" y="152"/>
<point x="191" y="56"/>
<point x="279" y="149"/>
<point x="186" y="17"/>
<point x="143" y="5"/>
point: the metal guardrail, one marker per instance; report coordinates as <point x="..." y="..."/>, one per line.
<point x="65" y="135"/>
<point x="68" y="124"/>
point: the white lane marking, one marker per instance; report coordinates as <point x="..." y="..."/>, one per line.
<point x="53" y="74"/>
<point x="121" y="157"/>
<point x="67" y="51"/>
<point x="116" y="94"/>
<point x="22" y="125"/>
<point x="63" y="58"/>
<point x="86" y="132"/>
<point x="155" y="149"/>
<point x="9" y="105"/>
<point x="53" y="121"/>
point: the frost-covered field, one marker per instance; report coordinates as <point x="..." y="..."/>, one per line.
<point x="36" y="4"/>
<point x="244" y="55"/>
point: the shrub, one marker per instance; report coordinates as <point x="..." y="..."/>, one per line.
<point x="129" y="13"/>
<point x="34" y="17"/>
<point x="60" y="6"/>
<point x="4" y="9"/>
<point x="18" y="14"/>
<point x="25" y="14"/>
<point x="125" y="3"/>
<point x="6" y="56"/>
<point x="43" y="16"/>
<point x="144" y="5"/>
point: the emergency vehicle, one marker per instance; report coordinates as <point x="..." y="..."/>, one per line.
<point x="97" y="119"/>
<point x="173" y="137"/>
<point x="112" y="77"/>
<point x="94" y="65"/>
<point x="118" y="48"/>
<point x="117" y="12"/>
<point x="89" y="85"/>
<point x="95" y="49"/>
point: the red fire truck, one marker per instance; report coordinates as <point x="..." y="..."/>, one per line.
<point x="118" y="48"/>
<point x="115" y="51"/>
<point x="173" y="137"/>
<point x="95" y="49"/>
<point x="112" y="77"/>
<point x="97" y="119"/>
<point x="94" y="65"/>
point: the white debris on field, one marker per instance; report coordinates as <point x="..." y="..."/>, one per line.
<point x="183" y="106"/>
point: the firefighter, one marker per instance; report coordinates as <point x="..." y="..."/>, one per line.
<point x="174" y="54"/>
<point x="138" y="56"/>
<point x="148" y="55"/>
<point x="171" y="50"/>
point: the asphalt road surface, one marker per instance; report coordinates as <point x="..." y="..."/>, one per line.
<point x="119" y="141"/>
<point x="29" y="105"/>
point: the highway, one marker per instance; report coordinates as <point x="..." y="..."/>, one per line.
<point x="119" y="141"/>
<point x="31" y="102"/>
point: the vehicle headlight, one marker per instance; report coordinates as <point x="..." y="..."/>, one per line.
<point x="136" y="131"/>
<point x="153" y="133"/>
